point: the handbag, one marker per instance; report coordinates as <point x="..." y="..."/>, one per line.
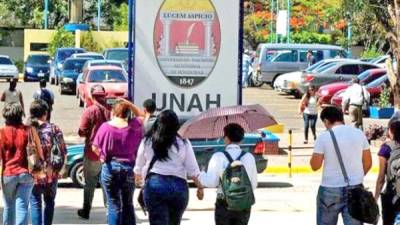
<point x="34" y="162"/>
<point x="361" y="202"/>
<point x="140" y="198"/>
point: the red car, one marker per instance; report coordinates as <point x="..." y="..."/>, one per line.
<point x="112" y="78"/>
<point x="374" y="88"/>
<point x="326" y="92"/>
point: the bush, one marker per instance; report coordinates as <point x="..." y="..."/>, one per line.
<point x="370" y="53"/>
<point x="88" y="43"/>
<point x="61" y="39"/>
<point x="20" y="65"/>
<point x="384" y="99"/>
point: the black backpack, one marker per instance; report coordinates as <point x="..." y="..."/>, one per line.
<point x="46" y="96"/>
<point x="57" y="155"/>
<point x="393" y="170"/>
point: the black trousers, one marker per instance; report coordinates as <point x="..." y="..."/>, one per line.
<point x="225" y="217"/>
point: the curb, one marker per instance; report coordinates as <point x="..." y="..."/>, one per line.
<point x="301" y="170"/>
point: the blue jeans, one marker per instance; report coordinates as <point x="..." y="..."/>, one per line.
<point x="330" y="203"/>
<point x="310" y="121"/>
<point x="16" y="192"/>
<point x="118" y="183"/>
<point x="48" y="192"/>
<point x="166" y="198"/>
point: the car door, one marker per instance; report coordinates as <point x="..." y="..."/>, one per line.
<point x="347" y="72"/>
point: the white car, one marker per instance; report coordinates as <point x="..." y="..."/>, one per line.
<point x="7" y="68"/>
<point x="89" y="55"/>
<point x="287" y="83"/>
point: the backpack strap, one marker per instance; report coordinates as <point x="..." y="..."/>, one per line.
<point x="241" y="155"/>
<point x="229" y="157"/>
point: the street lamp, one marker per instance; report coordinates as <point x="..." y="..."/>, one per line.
<point x="98" y="14"/>
<point x="271" y="28"/>
<point x="46" y="14"/>
<point x="288" y="20"/>
<point x="349" y="33"/>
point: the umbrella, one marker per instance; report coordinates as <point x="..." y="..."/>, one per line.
<point x="211" y="123"/>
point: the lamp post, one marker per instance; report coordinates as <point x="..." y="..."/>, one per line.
<point x="288" y="21"/>
<point x="349" y="33"/>
<point x="98" y="14"/>
<point x="131" y="48"/>
<point x="277" y="13"/>
<point x="271" y="28"/>
<point x="46" y="14"/>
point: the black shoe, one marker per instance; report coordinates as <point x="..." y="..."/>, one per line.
<point x="84" y="214"/>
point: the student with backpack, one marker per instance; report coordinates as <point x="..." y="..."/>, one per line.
<point x="389" y="155"/>
<point x="239" y="171"/>
<point x="46" y="95"/>
<point x="54" y="150"/>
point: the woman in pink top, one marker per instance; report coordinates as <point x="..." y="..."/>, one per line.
<point x="166" y="161"/>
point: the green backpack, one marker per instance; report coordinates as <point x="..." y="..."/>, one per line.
<point x="236" y="185"/>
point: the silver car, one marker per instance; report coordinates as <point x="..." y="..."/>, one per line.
<point x="334" y="72"/>
<point x="7" y="68"/>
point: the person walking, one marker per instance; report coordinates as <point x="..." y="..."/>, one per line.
<point x="387" y="152"/>
<point x="354" y="98"/>
<point x="12" y="94"/>
<point x="45" y="187"/>
<point x="246" y="68"/>
<point x="309" y="109"/>
<point x="93" y="117"/>
<point x="46" y="95"/>
<point x="166" y="161"/>
<point x="233" y="135"/>
<point x="332" y="198"/>
<point x="117" y="143"/>
<point x="17" y="182"/>
<point x="149" y="114"/>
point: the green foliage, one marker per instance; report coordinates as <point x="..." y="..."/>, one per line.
<point x="121" y="17"/>
<point x="384" y="100"/>
<point x="20" y="65"/>
<point x="311" y="37"/>
<point x="60" y="39"/>
<point x="88" y="42"/>
<point x="370" y="53"/>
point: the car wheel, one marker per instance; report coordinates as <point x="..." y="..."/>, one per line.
<point x="273" y="81"/>
<point x="77" y="175"/>
<point x="255" y="82"/>
<point x="297" y="94"/>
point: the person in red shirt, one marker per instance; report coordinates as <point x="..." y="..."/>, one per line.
<point x="17" y="182"/>
<point x="93" y="117"/>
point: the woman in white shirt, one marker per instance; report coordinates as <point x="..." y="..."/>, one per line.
<point x="309" y="109"/>
<point x="171" y="161"/>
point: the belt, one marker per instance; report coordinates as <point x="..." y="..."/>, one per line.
<point x="356" y="105"/>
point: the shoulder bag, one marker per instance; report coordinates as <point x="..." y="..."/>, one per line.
<point x="32" y="154"/>
<point x="140" y="198"/>
<point x="360" y="202"/>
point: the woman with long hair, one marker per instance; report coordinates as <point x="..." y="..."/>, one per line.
<point x="166" y="160"/>
<point x="309" y="108"/>
<point x="117" y="143"/>
<point x="45" y="187"/>
<point x="17" y="181"/>
<point x="389" y="210"/>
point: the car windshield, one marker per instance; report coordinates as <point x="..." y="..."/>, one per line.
<point x="5" y="61"/>
<point x="90" y="56"/>
<point x="107" y="76"/>
<point x="38" y="59"/>
<point x="74" y="65"/>
<point x="316" y="65"/>
<point x="120" y="55"/>
<point x="378" y="82"/>
<point x="64" y="54"/>
<point x="325" y="67"/>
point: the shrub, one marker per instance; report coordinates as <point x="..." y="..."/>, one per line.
<point x="88" y="42"/>
<point x="61" y="39"/>
<point x="370" y="53"/>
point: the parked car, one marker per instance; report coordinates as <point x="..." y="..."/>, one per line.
<point x="326" y="92"/>
<point x="272" y="60"/>
<point x="289" y="82"/>
<point x="204" y="149"/>
<point x="380" y="61"/>
<point x="60" y="56"/>
<point x="71" y="69"/>
<point x="7" y="68"/>
<point x="89" y="55"/>
<point x="112" y="78"/>
<point x="91" y="63"/>
<point x="335" y="72"/>
<point x="374" y="88"/>
<point x="37" y="67"/>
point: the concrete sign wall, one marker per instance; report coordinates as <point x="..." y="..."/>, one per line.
<point x="187" y="54"/>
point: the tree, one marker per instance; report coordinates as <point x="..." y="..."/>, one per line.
<point x="60" y="39"/>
